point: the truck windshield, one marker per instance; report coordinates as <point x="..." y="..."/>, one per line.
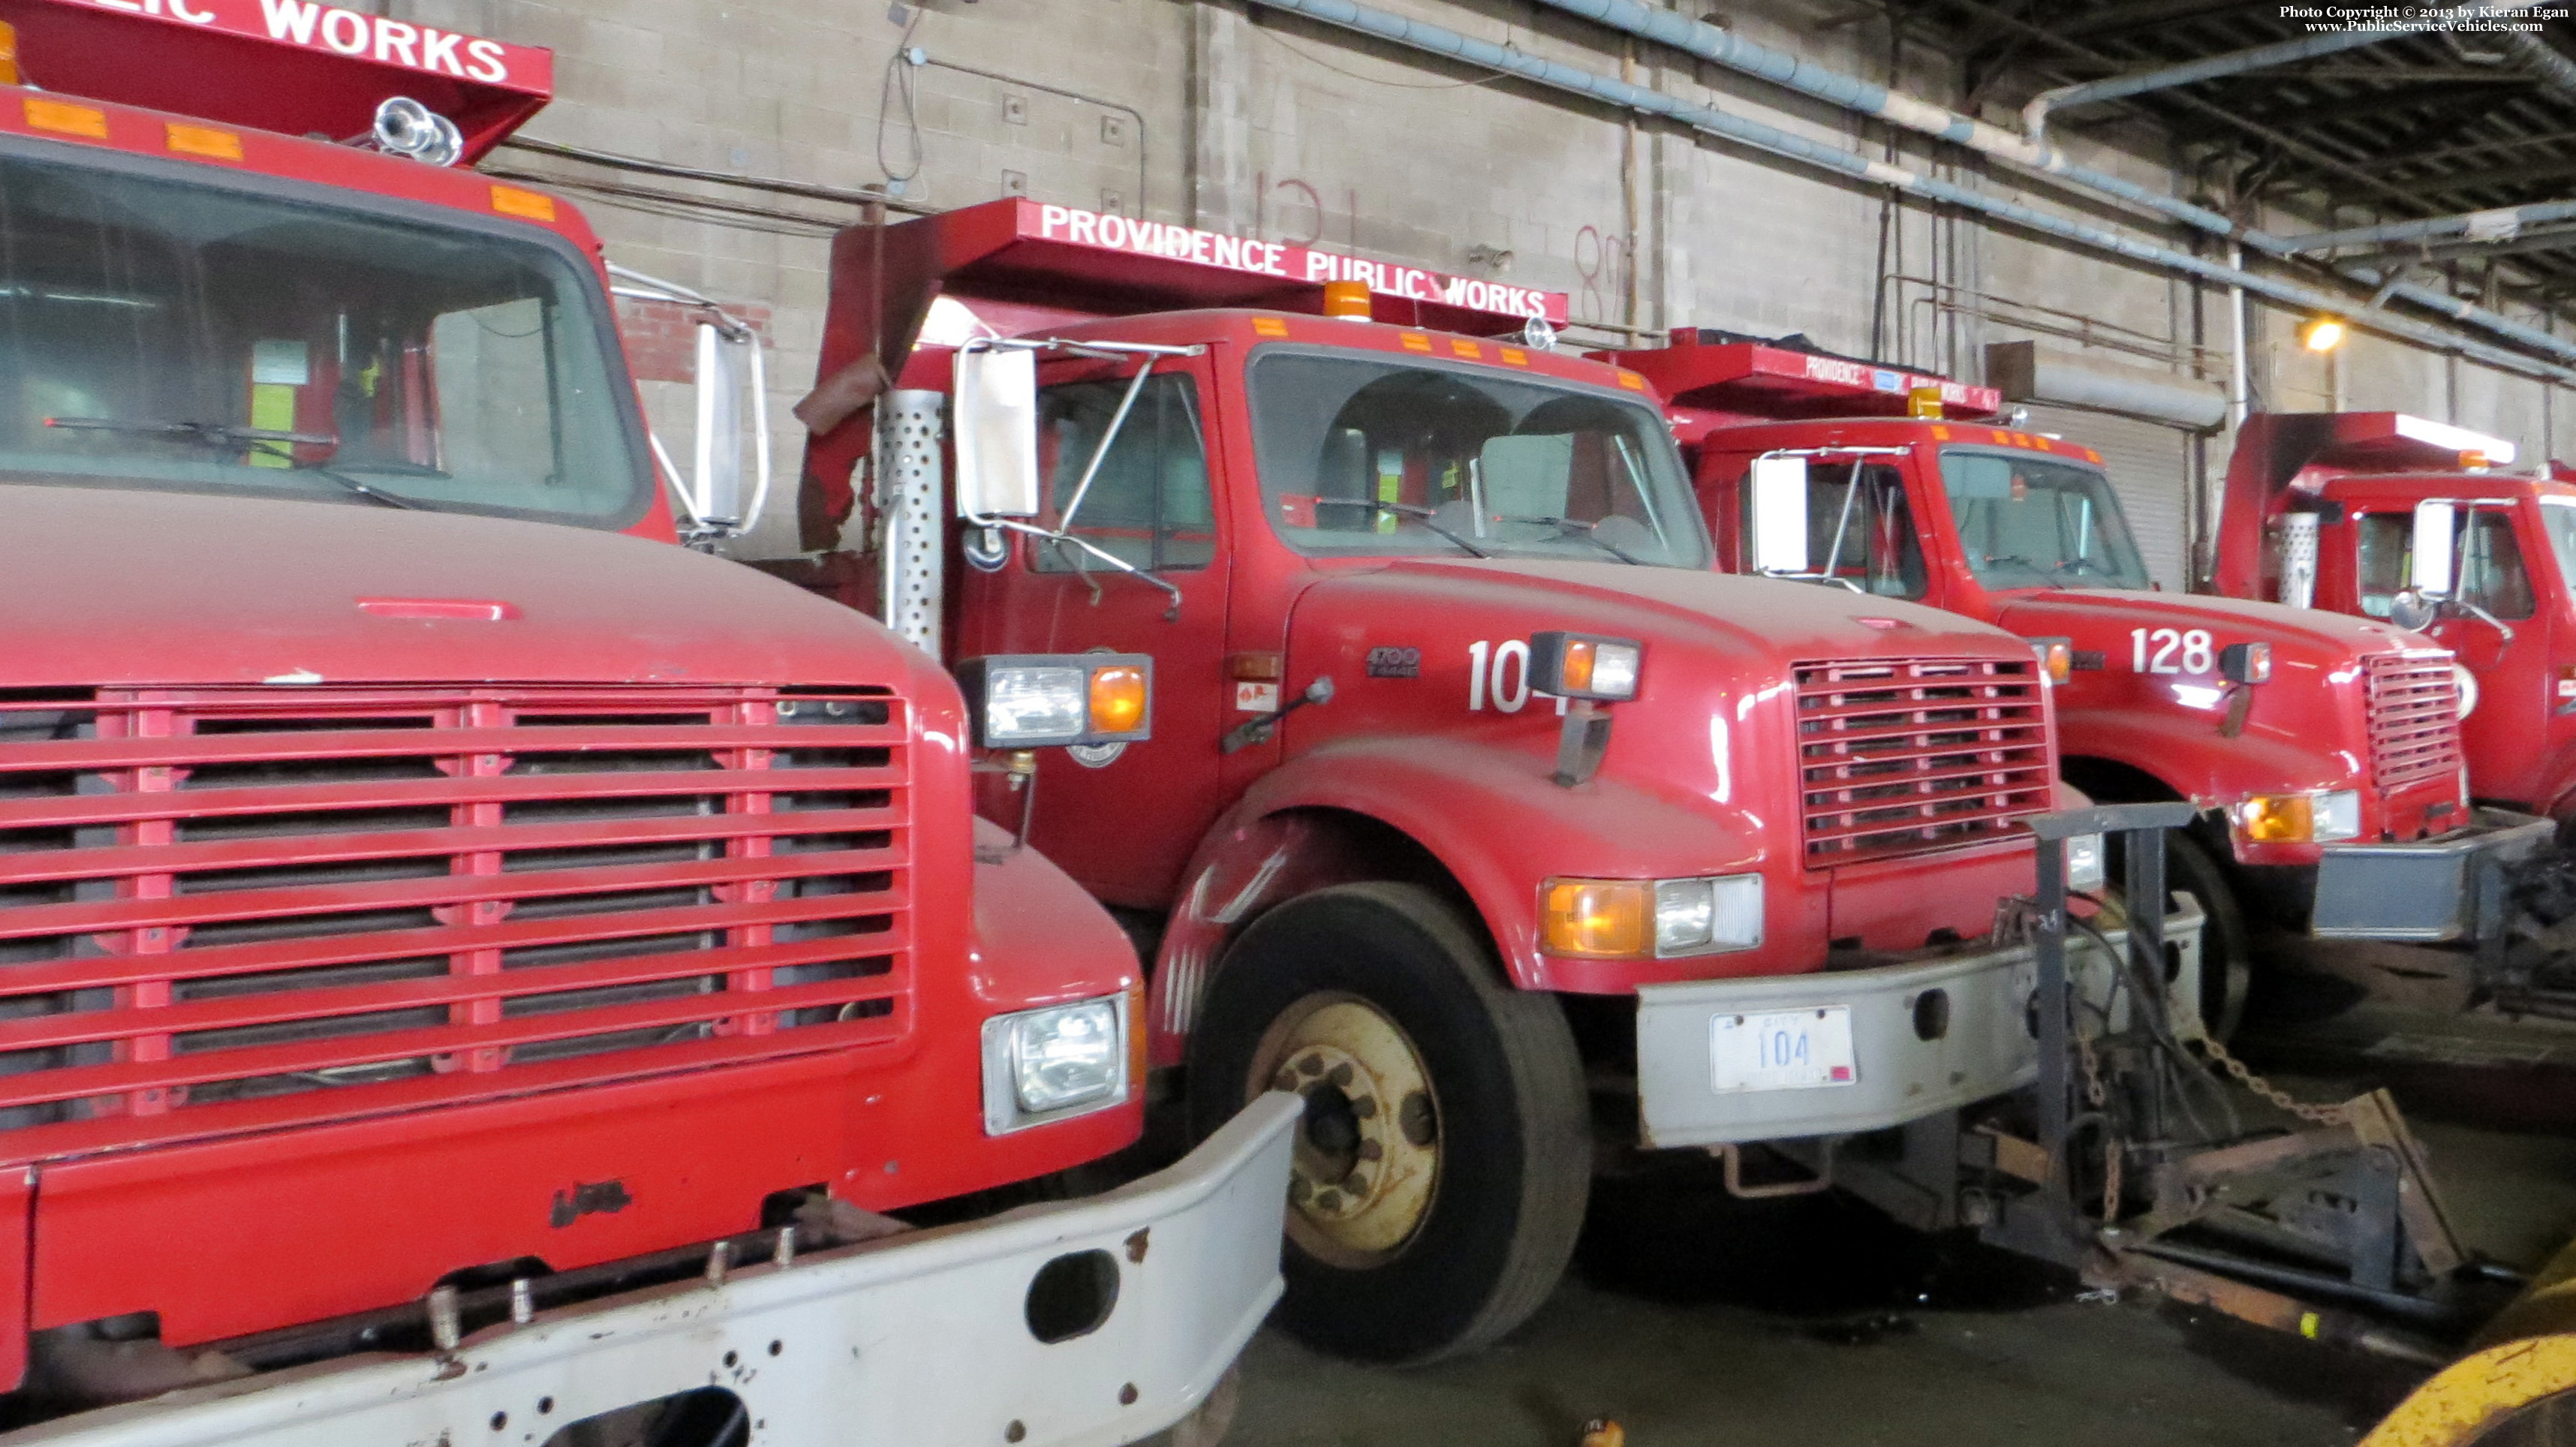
<point x="2558" y="519"/>
<point x="2035" y="522"/>
<point x="1368" y="454"/>
<point x="162" y="333"/>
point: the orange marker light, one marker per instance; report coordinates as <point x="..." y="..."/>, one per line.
<point x="64" y="118"/>
<point x="1269" y="327"/>
<point x="1579" y="654"/>
<point x="1416" y="342"/>
<point x="529" y="205"/>
<point x="1117" y="699"/>
<point x="1602" y="919"/>
<point x="1466" y="348"/>
<point x="1348" y="300"/>
<point x="1516" y="356"/>
<point x="1632" y="381"/>
<point x="204" y="141"/>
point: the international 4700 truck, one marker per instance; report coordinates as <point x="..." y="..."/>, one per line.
<point x="465" y="978"/>
<point x="2323" y="752"/>
<point x="1475" y="799"/>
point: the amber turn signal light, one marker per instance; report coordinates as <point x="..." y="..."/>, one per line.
<point x="1601" y="919"/>
<point x="2056" y="657"/>
<point x="2277" y="819"/>
<point x="1117" y="699"/>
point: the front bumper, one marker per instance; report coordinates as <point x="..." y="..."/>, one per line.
<point x="2434" y="890"/>
<point x="1909" y="1061"/>
<point x="919" y="1339"/>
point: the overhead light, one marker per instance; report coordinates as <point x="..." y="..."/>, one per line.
<point x="2322" y="334"/>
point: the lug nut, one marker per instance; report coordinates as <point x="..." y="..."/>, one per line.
<point x="1364" y="1106"/>
<point x="1371" y="1150"/>
<point x="1341" y="1074"/>
<point x="1328" y="1199"/>
<point x="1311" y="1065"/>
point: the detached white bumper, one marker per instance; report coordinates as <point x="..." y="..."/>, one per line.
<point x="917" y="1341"/>
<point x="1906" y="1040"/>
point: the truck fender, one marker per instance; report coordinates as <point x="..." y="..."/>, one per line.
<point x="1489" y="819"/>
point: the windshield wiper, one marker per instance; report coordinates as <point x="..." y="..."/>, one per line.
<point x="224" y="437"/>
<point x="1414" y="511"/>
<point x="2019" y="561"/>
<point x="1577" y="527"/>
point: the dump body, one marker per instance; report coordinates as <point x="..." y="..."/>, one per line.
<point x="2355" y="709"/>
<point x="2360" y="476"/>
<point x="406" y="892"/>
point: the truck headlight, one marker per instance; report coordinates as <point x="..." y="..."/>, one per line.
<point x="1063" y="1060"/>
<point x="1637" y="919"/>
<point x="1036" y="700"/>
<point x="2084" y="866"/>
<point x="1582" y="665"/>
<point x="2338" y="816"/>
<point x="2319" y="818"/>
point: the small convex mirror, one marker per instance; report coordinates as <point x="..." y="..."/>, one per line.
<point x="1779" y="515"/>
<point x="996" y="432"/>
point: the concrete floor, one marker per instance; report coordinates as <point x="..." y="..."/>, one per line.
<point x="1694" y="1319"/>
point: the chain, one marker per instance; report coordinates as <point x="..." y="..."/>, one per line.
<point x="2112" y="1149"/>
<point x="2245" y="1076"/>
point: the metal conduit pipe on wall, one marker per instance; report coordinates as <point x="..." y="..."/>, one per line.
<point x="1718" y="47"/>
<point x="1449" y="44"/>
<point x="2034" y="116"/>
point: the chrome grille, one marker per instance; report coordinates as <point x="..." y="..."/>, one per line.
<point x="2414" y="706"/>
<point x="1899" y="756"/>
<point x="246" y="907"/>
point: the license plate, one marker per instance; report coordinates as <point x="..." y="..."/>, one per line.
<point x="1782" y="1050"/>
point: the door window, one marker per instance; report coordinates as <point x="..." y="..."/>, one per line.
<point x="1148" y="503"/>
<point x="1860" y="529"/>
<point x="2489" y="574"/>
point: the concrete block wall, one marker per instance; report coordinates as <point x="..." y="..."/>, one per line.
<point x="1248" y="121"/>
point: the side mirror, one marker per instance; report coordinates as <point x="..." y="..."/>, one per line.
<point x="2436" y="533"/>
<point x="996" y="432"/>
<point x="726" y="373"/>
<point x="1779" y="515"/>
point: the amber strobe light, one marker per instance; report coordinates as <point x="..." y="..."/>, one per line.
<point x="8" y="54"/>
<point x="1348" y="300"/>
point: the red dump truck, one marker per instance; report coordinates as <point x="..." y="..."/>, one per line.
<point x="2324" y="753"/>
<point x="2385" y="516"/>
<point x="1476" y="800"/>
<point x="469" y="978"/>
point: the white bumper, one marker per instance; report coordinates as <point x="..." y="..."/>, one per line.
<point x="920" y="1340"/>
<point x="1909" y="1060"/>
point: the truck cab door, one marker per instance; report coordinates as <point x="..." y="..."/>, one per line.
<point x="2507" y="651"/>
<point x="1120" y="818"/>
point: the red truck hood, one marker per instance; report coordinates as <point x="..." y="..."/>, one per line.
<point x="1772" y="619"/>
<point x="108" y="587"/>
<point x="2311" y="631"/>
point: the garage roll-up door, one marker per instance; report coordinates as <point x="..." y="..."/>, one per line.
<point x="2150" y="468"/>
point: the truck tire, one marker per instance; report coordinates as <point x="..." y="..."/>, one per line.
<point x="1443" y="1166"/>
<point x="2226" y="948"/>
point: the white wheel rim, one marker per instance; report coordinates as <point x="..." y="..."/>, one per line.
<point x="1367" y="1157"/>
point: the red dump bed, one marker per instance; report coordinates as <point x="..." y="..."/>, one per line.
<point x="293" y="66"/>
